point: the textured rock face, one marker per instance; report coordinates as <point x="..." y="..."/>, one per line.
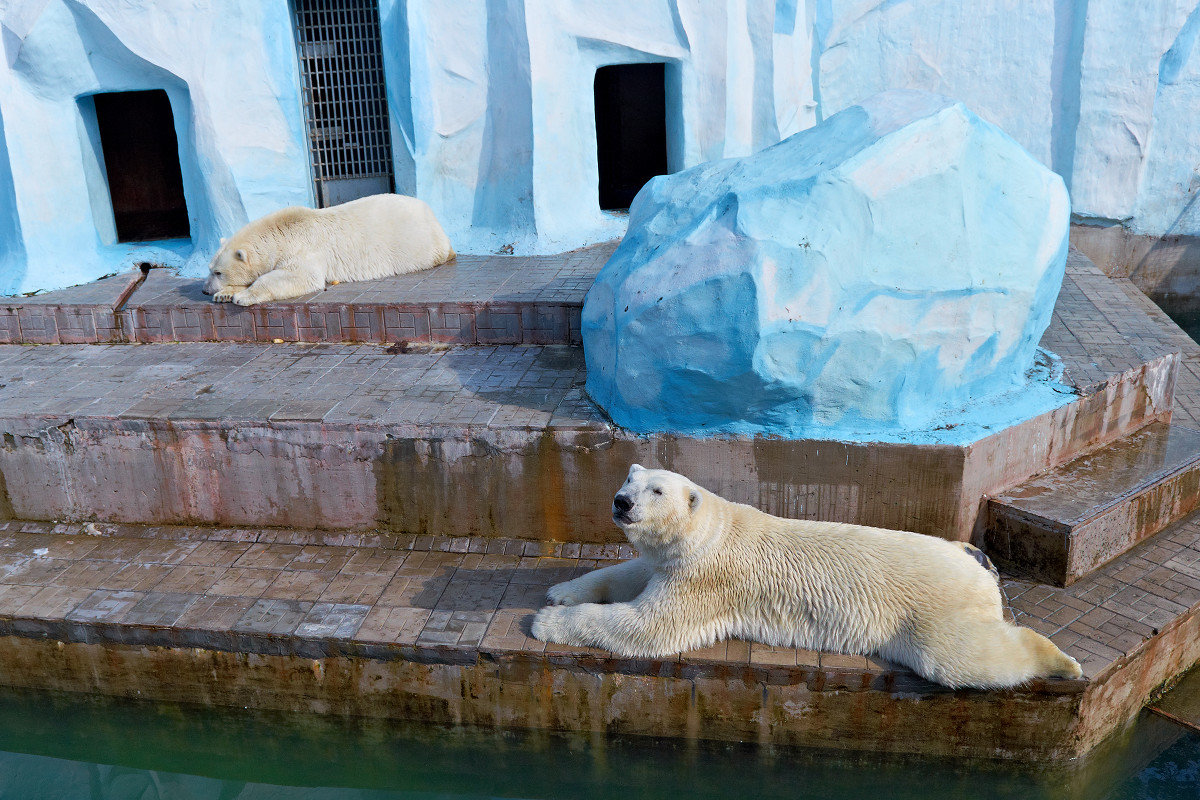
<point x="229" y="70"/>
<point x="867" y="276"/>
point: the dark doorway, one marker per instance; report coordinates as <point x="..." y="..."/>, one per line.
<point x="345" y="98"/>
<point x="141" y="158"/>
<point x="631" y="130"/>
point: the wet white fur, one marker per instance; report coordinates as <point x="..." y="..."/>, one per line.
<point x="300" y="250"/>
<point x="710" y="569"/>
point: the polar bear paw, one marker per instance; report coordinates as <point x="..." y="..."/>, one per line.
<point x="549" y="624"/>
<point x="247" y="297"/>
<point x="568" y="593"/>
<point x="224" y="296"/>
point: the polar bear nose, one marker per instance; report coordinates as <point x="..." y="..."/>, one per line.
<point x="622" y="503"/>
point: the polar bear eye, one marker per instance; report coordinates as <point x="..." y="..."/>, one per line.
<point x="657" y="490"/>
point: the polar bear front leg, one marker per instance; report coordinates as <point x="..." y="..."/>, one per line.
<point x="280" y="284"/>
<point x="627" y="629"/>
<point x="619" y="583"/>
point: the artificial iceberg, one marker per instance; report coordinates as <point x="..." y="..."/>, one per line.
<point x="888" y="271"/>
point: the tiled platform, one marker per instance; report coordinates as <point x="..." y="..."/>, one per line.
<point x="1103" y="326"/>
<point x="426" y="497"/>
<point x="466" y="603"/>
<point x="489" y="300"/>
<point x="351" y="436"/>
<point x="470" y="300"/>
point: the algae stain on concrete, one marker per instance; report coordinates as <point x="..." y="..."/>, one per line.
<point x="498" y="484"/>
<point x="6" y="509"/>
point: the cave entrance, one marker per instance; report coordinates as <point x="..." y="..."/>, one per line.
<point x="631" y="130"/>
<point x="141" y="162"/>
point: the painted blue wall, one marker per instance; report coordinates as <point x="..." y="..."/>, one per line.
<point x="229" y="70"/>
<point x="492" y="116"/>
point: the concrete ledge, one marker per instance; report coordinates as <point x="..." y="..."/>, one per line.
<point x="1060" y="525"/>
<point x="472" y="300"/>
<point x="505" y="691"/>
<point x="79" y="315"/>
<point x="170" y="309"/>
<point x="243" y="618"/>
<point x="551" y="482"/>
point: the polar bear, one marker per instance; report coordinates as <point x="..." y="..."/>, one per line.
<point x="300" y="250"/>
<point x="711" y="569"/>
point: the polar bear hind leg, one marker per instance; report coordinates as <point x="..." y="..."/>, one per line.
<point x="985" y="653"/>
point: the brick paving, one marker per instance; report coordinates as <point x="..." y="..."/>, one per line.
<point x="455" y="600"/>
<point x="1103" y="327"/>
<point x="1100" y="329"/>
<point x="77" y="315"/>
<point x="470" y="300"/>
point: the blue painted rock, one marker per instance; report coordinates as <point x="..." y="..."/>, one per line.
<point x="899" y="259"/>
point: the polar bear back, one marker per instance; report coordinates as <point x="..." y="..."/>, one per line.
<point x="381" y="235"/>
<point x="371" y="237"/>
<point x="841" y="586"/>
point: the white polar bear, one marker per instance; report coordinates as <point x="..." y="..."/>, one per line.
<point x="300" y="250"/>
<point x="711" y="569"/>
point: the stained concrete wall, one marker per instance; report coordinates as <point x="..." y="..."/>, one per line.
<point x="554" y="484"/>
<point x="1166" y="268"/>
<point x="452" y="686"/>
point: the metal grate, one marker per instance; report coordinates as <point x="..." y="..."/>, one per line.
<point x="345" y="100"/>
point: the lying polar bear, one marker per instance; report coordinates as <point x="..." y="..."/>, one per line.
<point x="711" y="569"/>
<point x="300" y="250"/>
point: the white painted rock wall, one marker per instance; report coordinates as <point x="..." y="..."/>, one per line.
<point x="870" y="276"/>
<point x="229" y="69"/>
<point x="503" y="133"/>
<point x="1102" y="91"/>
<point x="491" y="104"/>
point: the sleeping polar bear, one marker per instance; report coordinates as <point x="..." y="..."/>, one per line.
<point x="300" y="250"/>
<point x="711" y="569"/>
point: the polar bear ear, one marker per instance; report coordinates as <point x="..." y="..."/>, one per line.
<point x="636" y="468"/>
<point x="223" y="241"/>
<point x="240" y="255"/>
<point x="693" y="500"/>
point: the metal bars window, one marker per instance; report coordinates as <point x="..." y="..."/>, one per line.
<point x="345" y="99"/>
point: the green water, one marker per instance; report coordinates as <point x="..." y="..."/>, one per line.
<point x="1189" y="321"/>
<point x="68" y="746"/>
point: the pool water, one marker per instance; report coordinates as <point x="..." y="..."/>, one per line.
<point x="70" y="746"/>
<point x="1189" y="321"/>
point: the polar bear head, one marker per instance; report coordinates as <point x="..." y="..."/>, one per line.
<point x="658" y="510"/>
<point x="234" y="267"/>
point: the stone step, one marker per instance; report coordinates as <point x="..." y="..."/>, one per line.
<point x="437" y="630"/>
<point x="498" y="441"/>
<point x="1061" y="525"/>
<point x="494" y="441"/>
<point x="473" y="300"/>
